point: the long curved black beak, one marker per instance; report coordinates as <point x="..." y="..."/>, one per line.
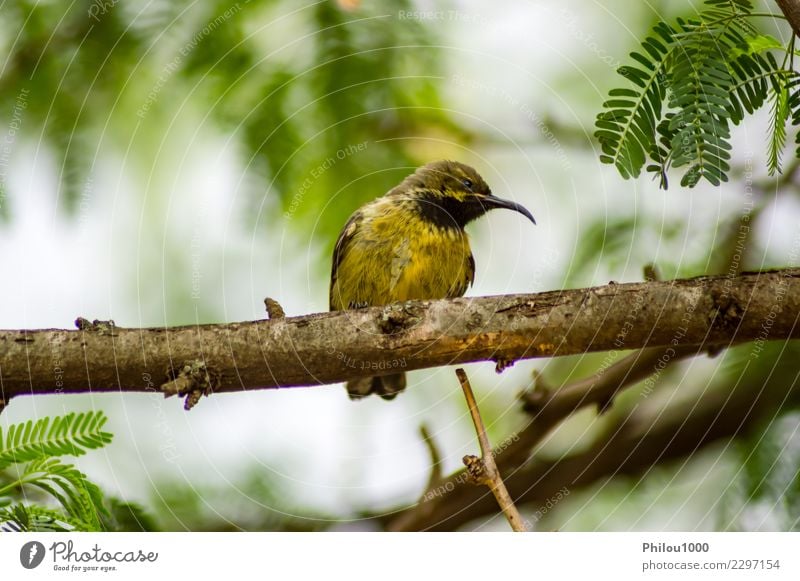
<point x="491" y="202"/>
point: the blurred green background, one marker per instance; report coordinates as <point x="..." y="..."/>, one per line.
<point x="175" y="162"/>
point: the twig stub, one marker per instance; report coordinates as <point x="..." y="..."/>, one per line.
<point x="475" y="470"/>
<point x="194" y="380"/>
<point x="108" y="327"/>
<point x="435" y="456"/>
<point x="274" y="309"/>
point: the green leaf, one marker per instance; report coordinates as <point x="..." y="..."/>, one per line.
<point x="625" y="144"/>
<point x="79" y="497"/>
<point x="72" y="434"/>
<point x="793" y="103"/>
<point x="128" y="516"/>
<point x="32" y="518"/>
<point x="39" y="444"/>
<point x="778" y="118"/>
<point x="692" y="80"/>
<point x="756" y="44"/>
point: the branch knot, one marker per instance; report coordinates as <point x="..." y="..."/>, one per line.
<point x="398" y="317"/>
<point x="475" y="470"/>
<point x="108" y="327"/>
<point x="725" y="313"/>
<point x="194" y="380"/>
<point x="274" y="309"/>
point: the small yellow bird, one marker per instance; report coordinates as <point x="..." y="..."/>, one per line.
<point x="410" y="244"/>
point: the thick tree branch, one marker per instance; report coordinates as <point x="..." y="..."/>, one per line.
<point x="333" y="347"/>
<point x="791" y="10"/>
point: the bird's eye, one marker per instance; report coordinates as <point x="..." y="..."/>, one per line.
<point x="467" y="184"/>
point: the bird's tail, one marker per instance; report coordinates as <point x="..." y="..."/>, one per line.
<point x="386" y="386"/>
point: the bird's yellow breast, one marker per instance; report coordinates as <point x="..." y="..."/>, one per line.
<point x="394" y="255"/>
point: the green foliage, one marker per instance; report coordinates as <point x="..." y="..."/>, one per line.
<point x="292" y="86"/>
<point x="60" y="56"/>
<point x="692" y="80"/>
<point x="33" y="518"/>
<point x="72" y="434"/>
<point x="80" y="498"/>
<point x="626" y="131"/>
<point x="769" y="473"/>
<point x="126" y="516"/>
<point x="779" y="117"/>
<point x="261" y="503"/>
<point x="30" y="469"/>
<point x="610" y="244"/>
<point x="765" y="493"/>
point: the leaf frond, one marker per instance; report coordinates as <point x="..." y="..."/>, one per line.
<point x="691" y="81"/>
<point x="69" y="435"/>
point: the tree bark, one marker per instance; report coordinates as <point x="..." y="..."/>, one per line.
<point x="791" y="10"/>
<point x="333" y="347"/>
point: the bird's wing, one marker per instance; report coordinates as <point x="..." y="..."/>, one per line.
<point x="340" y="249"/>
<point x="458" y="289"/>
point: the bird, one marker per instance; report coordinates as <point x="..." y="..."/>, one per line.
<point x="410" y="244"/>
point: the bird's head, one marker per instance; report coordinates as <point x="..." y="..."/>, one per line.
<point x="449" y="193"/>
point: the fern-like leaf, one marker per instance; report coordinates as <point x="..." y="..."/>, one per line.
<point x="778" y="118"/>
<point x="755" y="76"/>
<point x="626" y="129"/>
<point x="724" y="11"/>
<point x="700" y="83"/>
<point x="32" y="518"/>
<point x="693" y="80"/>
<point x="38" y="445"/>
<point x="80" y="498"/>
<point x="72" y="434"/>
<point x="793" y="104"/>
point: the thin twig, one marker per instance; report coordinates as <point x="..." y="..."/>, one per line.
<point x="436" y="457"/>
<point x="484" y="470"/>
<point x="550" y="406"/>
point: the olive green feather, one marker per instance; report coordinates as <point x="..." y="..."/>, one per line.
<point x="410" y="244"/>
